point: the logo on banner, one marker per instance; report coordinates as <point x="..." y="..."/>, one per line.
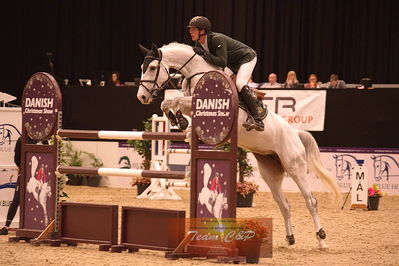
<point x="214" y="108"/>
<point x="344" y="165"/>
<point x="385" y="166"/>
<point x="40" y="105"/>
<point x="8" y="134"/>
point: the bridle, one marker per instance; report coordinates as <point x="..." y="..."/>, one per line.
<point x="154" y="91"/>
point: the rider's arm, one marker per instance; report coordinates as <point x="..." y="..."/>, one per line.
<point x="220" y="57"/>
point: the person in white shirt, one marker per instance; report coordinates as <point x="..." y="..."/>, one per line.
<point x="272" y="82"/>
<point x="335" y="83"/>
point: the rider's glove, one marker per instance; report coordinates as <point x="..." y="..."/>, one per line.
<point x="199" y="50"/>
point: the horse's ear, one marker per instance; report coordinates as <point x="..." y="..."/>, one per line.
<point x="155" y="50"/>
<point x="144" y="50"/>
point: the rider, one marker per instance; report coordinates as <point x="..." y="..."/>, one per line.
<point x="223" y="51"/>
<point x="215" y="189"/>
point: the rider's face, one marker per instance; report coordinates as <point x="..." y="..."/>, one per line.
<point x="194" y="33"/>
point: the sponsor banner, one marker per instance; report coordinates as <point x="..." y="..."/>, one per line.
<point x="303" y="109"/>
<point x="10" y="131"/>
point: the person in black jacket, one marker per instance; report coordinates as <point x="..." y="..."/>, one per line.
<point x="15" y="202"/>
<point x="223" y="51"/>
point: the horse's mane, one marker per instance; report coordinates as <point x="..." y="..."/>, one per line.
<point x="176" y="44"/>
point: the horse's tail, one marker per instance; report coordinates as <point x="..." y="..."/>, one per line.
<point x="316" y="166"/>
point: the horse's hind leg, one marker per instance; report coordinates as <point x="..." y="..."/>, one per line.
<point x="272" y="172"/>
<point x="299" y="174"/>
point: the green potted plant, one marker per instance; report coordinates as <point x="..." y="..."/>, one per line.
<point x="245" y="188"/>
<point x="143" y="148"/>
<point x="374" y="195"/>
<point x="72" y="157"/>
<point x="250" y="246"/>
<point x="96" y="162"/>
<point x="62" y="178"/>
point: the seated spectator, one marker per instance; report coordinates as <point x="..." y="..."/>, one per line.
<point x="254" y="87"/>
<point x="335" y="83"/>
<point x="291" y="81"/>
<point x="312" y="82"/>
<point x="272" y="82"/>
<point x="115" y="78"/>
<point x="252" y="84"/>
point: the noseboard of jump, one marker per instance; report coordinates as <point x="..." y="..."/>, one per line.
<point x="213" y="171"/>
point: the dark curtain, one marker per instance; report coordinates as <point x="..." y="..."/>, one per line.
<point x="354" y="38"/>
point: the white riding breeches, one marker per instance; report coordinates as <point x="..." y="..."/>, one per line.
<point x="244" y="73"/>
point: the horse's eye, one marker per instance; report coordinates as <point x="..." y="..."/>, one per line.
<point x="152" y="68"/>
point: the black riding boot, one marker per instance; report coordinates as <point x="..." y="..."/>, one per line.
<point x="253" y="122"/>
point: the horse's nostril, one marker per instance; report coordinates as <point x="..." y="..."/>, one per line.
<point x="143" y="97"/>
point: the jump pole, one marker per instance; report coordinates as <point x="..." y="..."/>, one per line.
<point x="121" y="172"/>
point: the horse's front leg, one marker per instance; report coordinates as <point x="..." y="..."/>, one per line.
<point x="166" y="107"/>
<point x="183" y="106"/>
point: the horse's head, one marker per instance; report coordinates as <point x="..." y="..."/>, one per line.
<point x="154" y="74"/>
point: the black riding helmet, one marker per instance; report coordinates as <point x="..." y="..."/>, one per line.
<point x="200" y="22"/>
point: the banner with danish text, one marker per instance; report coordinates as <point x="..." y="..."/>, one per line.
<point x="303" y="109"/>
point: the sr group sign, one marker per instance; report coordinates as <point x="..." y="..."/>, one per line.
<point x="304" y="109"/>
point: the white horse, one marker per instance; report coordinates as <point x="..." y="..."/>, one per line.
<point x="278" y="149"/>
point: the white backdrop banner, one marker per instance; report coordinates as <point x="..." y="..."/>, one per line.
<point x="303" y="109"/>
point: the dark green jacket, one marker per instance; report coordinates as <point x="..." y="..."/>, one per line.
<point x="225" y="51"/>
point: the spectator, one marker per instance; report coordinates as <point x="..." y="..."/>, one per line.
<point x="291" y="81"/>
<point x="312" y="82"/>
<point x="115" y="78"/>
<point x="272" y="82"/>
<point x="335" y="83"/>
<point x="255" y="88"/>
<point x="252" y="84"/>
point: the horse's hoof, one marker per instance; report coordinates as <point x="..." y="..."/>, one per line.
<point x="323" y="246"/>
<point x="290" y="239"/>
<point x="181" y="120"/>
<point x="172" y="118"/>
<point x="321" y="234"/>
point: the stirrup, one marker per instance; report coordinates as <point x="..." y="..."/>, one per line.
<point x="251" y="123"/>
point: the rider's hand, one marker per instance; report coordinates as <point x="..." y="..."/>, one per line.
<point x="199" y="50"/>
